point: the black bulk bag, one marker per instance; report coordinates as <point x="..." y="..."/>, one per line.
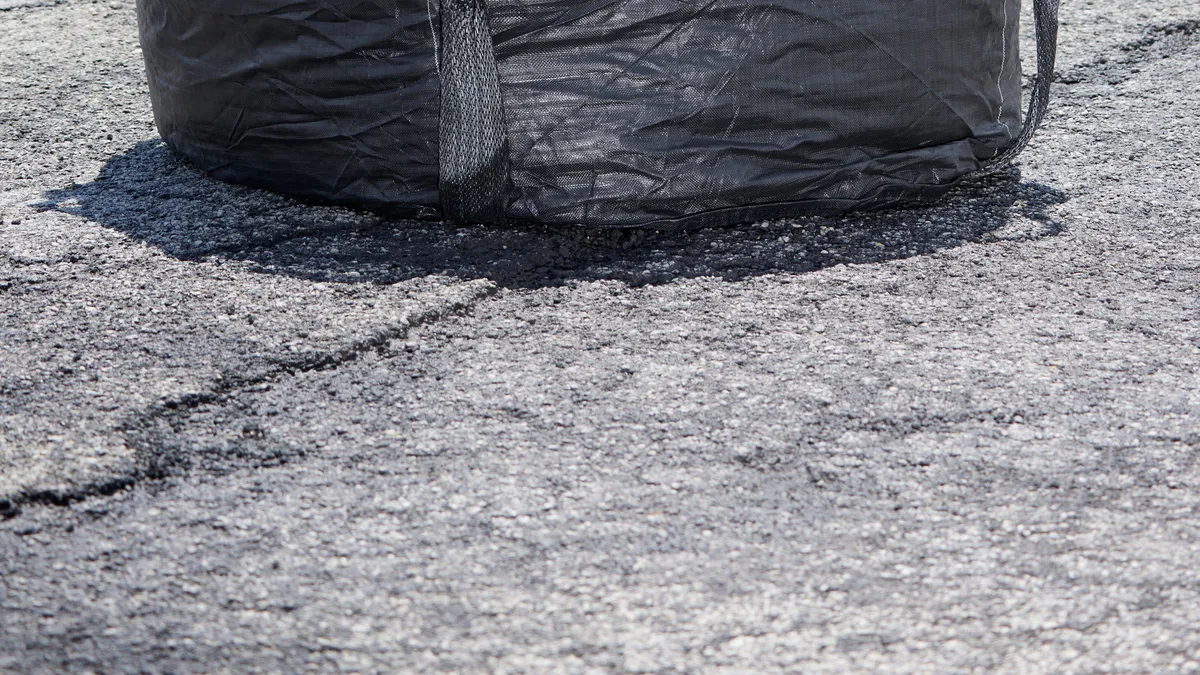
<point x="595" y="112"/>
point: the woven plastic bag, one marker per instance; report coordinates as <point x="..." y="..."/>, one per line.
<point x="600" y="112"/>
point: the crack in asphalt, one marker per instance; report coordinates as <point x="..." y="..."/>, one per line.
<point x="155" y="461"/>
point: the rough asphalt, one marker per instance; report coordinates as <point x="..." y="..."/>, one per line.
<point x="241" y="434"/>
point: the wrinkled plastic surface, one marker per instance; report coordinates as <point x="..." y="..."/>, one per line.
<point x="617" y="112"/>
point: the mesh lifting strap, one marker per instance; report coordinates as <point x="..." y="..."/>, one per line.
<point x="1045" y="15"/>
<point x="474" y="172"/>
<point x="473" y="177"/>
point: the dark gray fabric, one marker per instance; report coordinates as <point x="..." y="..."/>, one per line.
<point x="602" y="112"/>
<point x="325" y="100"/>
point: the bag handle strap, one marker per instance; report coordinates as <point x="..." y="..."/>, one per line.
<point x="1045" y="14"/>
<point x="473" y="171"/>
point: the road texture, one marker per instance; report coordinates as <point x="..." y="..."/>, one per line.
<point x="241" y="434"/>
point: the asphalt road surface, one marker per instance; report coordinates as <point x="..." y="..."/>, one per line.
<point x="241" y="434"/>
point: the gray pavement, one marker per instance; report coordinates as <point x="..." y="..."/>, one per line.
<point x="240" y="434"/>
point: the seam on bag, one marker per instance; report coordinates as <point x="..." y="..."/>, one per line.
<point x="1003" y="65"/>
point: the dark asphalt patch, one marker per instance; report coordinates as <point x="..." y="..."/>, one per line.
<point x="152" y="195"/>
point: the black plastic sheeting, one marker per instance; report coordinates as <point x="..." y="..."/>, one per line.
<point x="600" y="112"/>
